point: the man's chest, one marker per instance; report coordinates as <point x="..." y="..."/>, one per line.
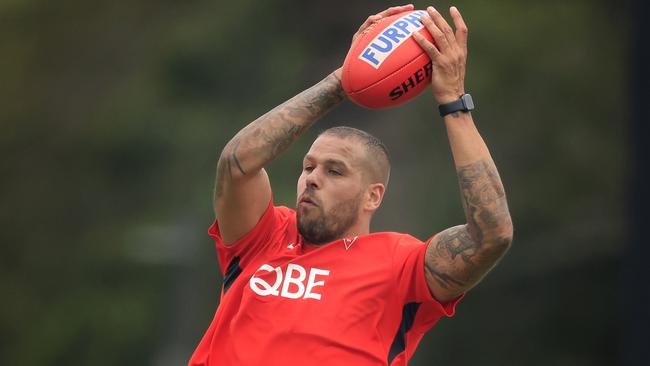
<point x="326" y="287"/>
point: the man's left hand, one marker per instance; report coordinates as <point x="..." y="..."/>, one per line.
<point x="448" y="55"/>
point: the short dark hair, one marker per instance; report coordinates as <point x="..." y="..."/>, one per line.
<point x="377" y="152"/>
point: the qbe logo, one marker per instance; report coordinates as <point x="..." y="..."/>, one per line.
<point x="292" y="283"/>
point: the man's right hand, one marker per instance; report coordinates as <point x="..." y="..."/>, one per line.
<point x="372" y="20"/>
<point x="377" y="17"/>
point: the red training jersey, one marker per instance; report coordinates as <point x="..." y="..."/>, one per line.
<point x="355" y="301"/>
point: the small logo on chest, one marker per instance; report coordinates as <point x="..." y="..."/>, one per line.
<point x="349" y="241"/>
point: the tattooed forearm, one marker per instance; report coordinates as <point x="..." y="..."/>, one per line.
<point x="268" y="136"/>
<point x="457" y="258"/>
<point x="460" y="256"/>
<point x="484" y="200"/>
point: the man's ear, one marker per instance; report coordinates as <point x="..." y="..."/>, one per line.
<point x="374" y="196"/>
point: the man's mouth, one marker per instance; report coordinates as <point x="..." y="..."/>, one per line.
<point x="307" y="201"/>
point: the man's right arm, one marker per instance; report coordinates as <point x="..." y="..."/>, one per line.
<point x="242" y="190"/>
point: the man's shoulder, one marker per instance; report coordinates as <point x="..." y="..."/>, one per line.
<point x="394" y="236"/>
<point x="284" y="213"/>
<point x="395" y="239"/>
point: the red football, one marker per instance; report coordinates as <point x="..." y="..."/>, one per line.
<point x="385" y="66"/>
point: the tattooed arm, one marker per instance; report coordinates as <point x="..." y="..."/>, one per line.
<point x="457" y="258"/>
<point x="242" y="189"/>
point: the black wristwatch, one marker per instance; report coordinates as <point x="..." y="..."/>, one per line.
<point x="463" y="104"/>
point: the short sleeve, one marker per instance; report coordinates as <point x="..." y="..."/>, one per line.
<point x="256" y="242"/>
<point x="412" y="284"/>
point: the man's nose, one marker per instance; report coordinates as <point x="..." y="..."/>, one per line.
<point x="313" y="179"/>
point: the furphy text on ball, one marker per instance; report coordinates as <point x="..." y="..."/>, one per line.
<point x="392" y="37"/>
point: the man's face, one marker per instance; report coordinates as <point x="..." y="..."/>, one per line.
<point x="330" y="188"/>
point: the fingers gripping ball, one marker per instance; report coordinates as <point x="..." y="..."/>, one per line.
<point x="385" y="66"/>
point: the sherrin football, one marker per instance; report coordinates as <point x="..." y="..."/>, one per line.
<point x="385" y="66"/>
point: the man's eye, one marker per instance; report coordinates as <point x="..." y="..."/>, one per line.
<point x="334" y="172"/>
<point x="308" y="168"/>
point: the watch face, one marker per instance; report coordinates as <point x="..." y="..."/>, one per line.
<point x="468" y="102"/>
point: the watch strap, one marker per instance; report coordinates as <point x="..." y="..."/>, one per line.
<point x="462" y="104"/>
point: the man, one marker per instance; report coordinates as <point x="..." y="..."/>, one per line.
<point x="313" y="286"/>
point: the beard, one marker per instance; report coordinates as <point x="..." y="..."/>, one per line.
<point x="320" y="227"/>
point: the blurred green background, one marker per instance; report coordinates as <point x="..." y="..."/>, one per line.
<point x="113" y="115"/>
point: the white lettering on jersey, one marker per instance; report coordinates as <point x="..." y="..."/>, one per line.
<point x="266" y="289"/>
<point x="313" y="283"/>
<point x="293" y="286"/>
<point x="289" y="279"/>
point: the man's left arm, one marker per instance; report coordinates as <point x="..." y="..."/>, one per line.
<point x="458" y="258"/>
